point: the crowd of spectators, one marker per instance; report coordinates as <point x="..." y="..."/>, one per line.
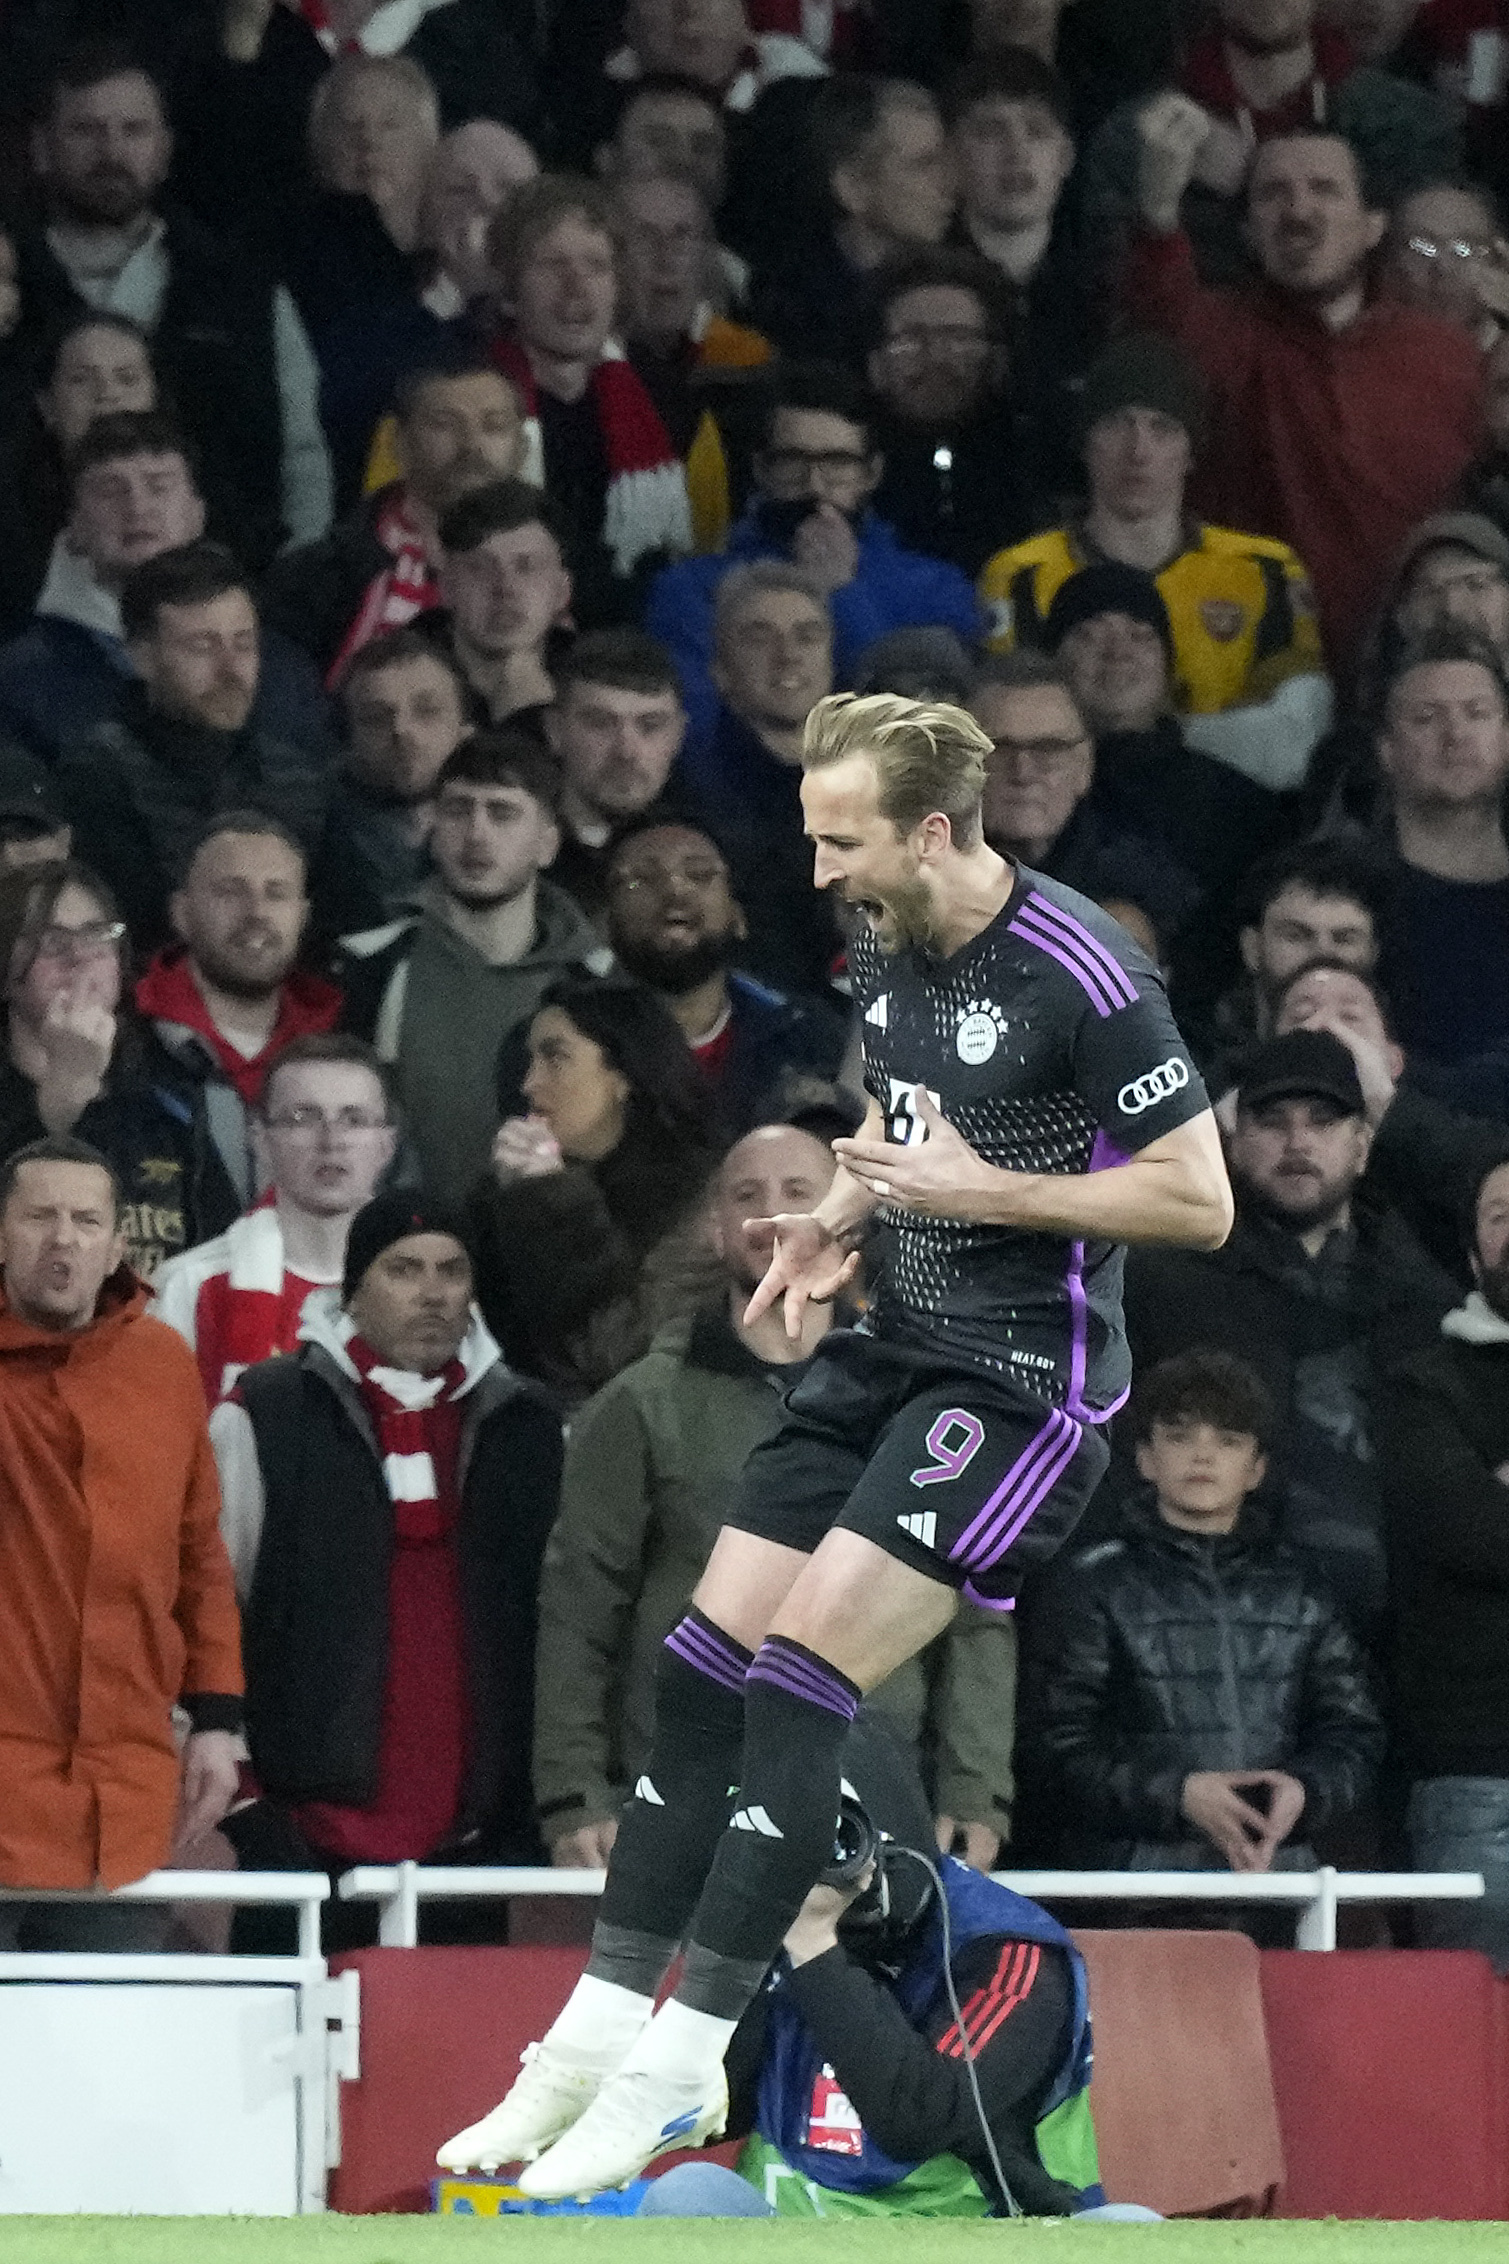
<point x="447" y="447"/>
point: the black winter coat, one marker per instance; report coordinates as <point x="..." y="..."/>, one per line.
<point x="1448" y="1526"/>
<point x="1310" y="1353"/>
<point x="1159" y="1652"/>
<point x="315" y="1624"/>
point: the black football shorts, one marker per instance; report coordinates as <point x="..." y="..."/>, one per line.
<point x="954" y="1471"/>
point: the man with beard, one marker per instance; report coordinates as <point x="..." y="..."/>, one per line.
<point x="457" y="426"/>
<point x="955" y="482"/>
<point x="675" y="923"/>
<point x="403" y="704"/>
<point x="324" y="1136"/>
<point x="1339" y="421"/>
<point x="440" y="989"/>
<point x="181" y="744"/>
<point x="1317" y="1289"/>
<point x="226" y="999"/>
<point x="816" y="468"/>
<point x="1014" y="1039"/>
<point x="230" y="350"/>
<point x="1446" y="1490"/>
<point x="1264" y="69"/>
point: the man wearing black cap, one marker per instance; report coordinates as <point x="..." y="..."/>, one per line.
<point x="1111" y="628"/>
<point x="387" y="1495"/>
<point x="1320" y="1290"/>
<point x="1246" y="649"/>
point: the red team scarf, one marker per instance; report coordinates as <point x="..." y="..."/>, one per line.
<point x="415" y="1418"/>
<point x="394" y="597"/>
<point x="647" y="506"/>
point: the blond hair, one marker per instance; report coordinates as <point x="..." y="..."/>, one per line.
<point x="928" y="756"/>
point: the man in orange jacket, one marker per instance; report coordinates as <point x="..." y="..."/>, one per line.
<point x="116" y="1598"/>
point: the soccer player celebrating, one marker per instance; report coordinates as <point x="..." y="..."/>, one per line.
<point x="1032" y="1109"/>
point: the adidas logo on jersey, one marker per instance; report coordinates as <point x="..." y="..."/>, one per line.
<point x="755" y="1820"/>
<point x="876" y="1015"/>
<point x="922" y="1525"/>
<point x="644" y="1790"/>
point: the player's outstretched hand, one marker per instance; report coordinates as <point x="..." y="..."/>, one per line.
<point x="807" y="1265"/>
<point x="939" y="1177"/>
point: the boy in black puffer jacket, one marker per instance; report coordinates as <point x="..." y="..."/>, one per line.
<point x="1195" y="1700"/>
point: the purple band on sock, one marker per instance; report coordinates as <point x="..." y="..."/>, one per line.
<point x="701" y="1646"/>
<point x="788" y="1667"/>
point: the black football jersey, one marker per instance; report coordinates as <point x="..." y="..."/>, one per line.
<point x="1048" y="1044"/>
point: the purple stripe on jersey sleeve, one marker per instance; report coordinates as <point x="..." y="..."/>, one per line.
<point x="1115" y="976"/>
<point x="1087" y="983"/>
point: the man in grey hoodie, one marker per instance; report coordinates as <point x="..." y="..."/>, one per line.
<point x="440" y="989"/>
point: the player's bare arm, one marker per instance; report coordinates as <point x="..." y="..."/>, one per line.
<point x="812" y="1254"/>
<point x="1175" y="1190"/>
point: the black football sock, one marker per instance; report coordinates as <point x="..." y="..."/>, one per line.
<point x="797" y="1712"/>
<point x="676" y="1816"/>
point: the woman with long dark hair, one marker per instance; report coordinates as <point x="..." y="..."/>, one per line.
<point x="587" y="1224"/>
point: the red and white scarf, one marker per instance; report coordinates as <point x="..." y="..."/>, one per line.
<point x="402" y="590"/>
<point x="647" y="507"/>
<point x="418" y="1424"/>
<point x="387" y="31"/>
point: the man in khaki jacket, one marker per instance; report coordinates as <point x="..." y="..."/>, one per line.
<point x="651" y="1464"/>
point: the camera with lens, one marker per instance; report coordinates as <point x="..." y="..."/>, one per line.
<point x="856" y="1843"/>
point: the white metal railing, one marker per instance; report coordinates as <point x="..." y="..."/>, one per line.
<point x="305" y="1890"/>
<point x="399" y="1888"/>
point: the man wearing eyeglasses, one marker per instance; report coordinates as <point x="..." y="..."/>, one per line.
<point x="324" y="1136"/>
<point x="957" y="480"/>
<point x="815" y="470"/>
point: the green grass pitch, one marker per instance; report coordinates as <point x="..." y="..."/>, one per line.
<point x="453" y="2240"/>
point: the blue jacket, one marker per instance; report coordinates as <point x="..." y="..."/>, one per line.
<point x="59" y="681"/>
<point x="892" y="589"/>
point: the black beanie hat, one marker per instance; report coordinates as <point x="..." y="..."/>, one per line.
<point x="388" y="1219"/>
<point x="1107" y="587"/>
<point x="1144" y="372"/>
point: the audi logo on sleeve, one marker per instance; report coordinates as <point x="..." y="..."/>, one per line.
<point x="1153" y="1086"/>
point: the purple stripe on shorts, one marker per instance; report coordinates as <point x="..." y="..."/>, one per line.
<point x="1022" y="1513"/>
<point x="696" y="1647"/>
<point x="800" y="1677"/>
<point x="987" y="1603"/>
<point x="1015" y="1513"/>
<point x="1019" y="1475"/>
<point x="1118" y="981"/>
<point x="1103" y="1006"/>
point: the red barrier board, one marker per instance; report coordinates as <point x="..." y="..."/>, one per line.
<point x="1392" y="2081"/>
<point x="1391" y="2070"/>
<point x="442" y="2031"/>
